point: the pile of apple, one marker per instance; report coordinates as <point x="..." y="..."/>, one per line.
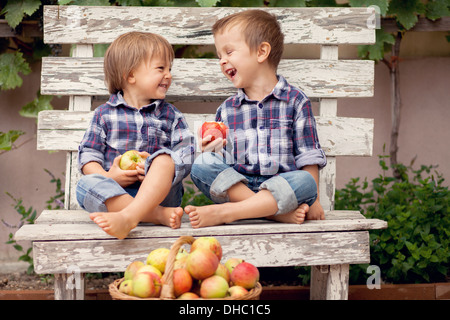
<point x="198" y="273"/>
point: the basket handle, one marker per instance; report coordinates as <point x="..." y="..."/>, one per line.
<point x="167" y="287"/>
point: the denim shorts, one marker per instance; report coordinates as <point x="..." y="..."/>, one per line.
<point x="94" y="189"/>
<point x="214" y="177"/>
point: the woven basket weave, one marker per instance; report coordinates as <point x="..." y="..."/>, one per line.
<point x="167" y="291"/>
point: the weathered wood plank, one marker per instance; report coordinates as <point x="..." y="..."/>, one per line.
<point x="87" y="231"/>
<point x="75" y="24"/>
<point x="201" y="79"/>
<point x="81" y="216"/>
<point x="265" y="250"/>
<point x="64" y="130"/>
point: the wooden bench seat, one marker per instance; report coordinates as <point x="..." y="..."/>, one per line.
<point x="68" y="244"/>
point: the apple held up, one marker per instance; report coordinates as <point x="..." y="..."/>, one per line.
<point x="130" y="159"/>
<point x="214" y="129"/>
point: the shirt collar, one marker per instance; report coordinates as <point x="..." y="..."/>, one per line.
<point x="117" y="99"/>
<point x="280" y="92"/>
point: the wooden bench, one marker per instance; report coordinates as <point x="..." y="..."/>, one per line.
<point x="66" y="243"/>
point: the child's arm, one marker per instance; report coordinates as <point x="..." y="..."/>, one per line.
<point x="316" y="211"/>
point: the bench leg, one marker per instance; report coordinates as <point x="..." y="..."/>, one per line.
<point x="329" y="282"/>
<point x="69" y="286"/>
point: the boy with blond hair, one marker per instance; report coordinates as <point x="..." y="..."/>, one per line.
<point x="269" y="164"/>
<point x="137" y="69"/>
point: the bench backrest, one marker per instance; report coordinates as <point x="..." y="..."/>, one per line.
<point x="326" y="79"/>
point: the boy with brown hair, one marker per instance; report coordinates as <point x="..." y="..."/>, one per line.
<point x="137" y="69"/>
<point x="269" y="165"/>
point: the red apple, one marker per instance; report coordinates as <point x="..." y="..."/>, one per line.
<point x="210" y="243"/>
<point x="215" y="129"/>
<point x="214" y="287"/>
<point x="130" y="160"/>
<point x="149" y="268"/>
<point x="246" y="275"/>
<point x="182" y="281"/>
<point x="146" y="285"/>
<point x="202" y="263"/>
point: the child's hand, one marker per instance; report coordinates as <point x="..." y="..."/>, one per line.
<point x="213" y="146"/>
<point x="141" y="166"/>
<point x="123" y="177"/>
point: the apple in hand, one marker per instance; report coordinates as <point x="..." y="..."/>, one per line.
<point x="215" y="129"/>
<point x="130" y="160"/>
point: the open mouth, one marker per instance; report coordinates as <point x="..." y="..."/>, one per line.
<point x="231" y="72"/>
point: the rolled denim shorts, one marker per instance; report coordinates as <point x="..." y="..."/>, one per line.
<point x="94" y="189"/>
<point x="214" y="177"/>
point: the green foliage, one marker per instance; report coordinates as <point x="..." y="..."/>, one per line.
<point x="15" y="10"/>
<point x="40" y="103"/>
<point x="28" y="216"/>
<point x="11" y="64"/>
<point x="415" y="246"/>
<point x="7" y="139"/>
<point x="193" y="197"/>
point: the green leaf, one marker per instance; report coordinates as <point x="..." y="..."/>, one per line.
<point x="32" y="109"/>
<point x="384" y="42"/>
<point x="381" y="4"/>
<point x="7" y="139"/>
<point x="11" y="64"/>
<point x="15" y="10"/>
<point x="207" y="3"/>
<point x="288" y="3"/>
<point x="437" y="9"/>
<point x="406" y="11"/>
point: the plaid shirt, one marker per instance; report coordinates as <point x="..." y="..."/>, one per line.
<point x="156" y="128"/>
<point x="275" y="135"/>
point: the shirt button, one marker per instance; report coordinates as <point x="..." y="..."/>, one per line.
<point x="261" y="128"/>
<point x="262" y="150"/>
<point x="260" y="105"/>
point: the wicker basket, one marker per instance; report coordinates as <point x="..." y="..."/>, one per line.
<point x="167" y="292"/>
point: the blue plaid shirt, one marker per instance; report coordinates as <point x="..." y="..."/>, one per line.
<point x="156" y="128"/>
<point x="275" y="135"/>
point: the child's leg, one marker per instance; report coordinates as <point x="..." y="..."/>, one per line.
<point x="277" y="200"/>
<point x="145" y="206"/>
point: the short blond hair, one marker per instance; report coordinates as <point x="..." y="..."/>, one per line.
<point x="257" y="26"/>
<point x="128" y="51"/>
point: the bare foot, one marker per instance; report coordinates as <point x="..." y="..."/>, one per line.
<point x="211" y="215"/>
<point x="119" y="224"/>
<point x="297" y="216"/>
<point x="116" y="224"/>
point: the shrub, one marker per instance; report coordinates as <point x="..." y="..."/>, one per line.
<point x="414" y="247"/>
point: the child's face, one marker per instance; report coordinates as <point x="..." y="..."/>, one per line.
<point x="237" y="61"/>
<point x="152" y="78"/>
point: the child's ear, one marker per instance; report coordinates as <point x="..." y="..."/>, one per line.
<point x="263" y="51"/>
<point x="130" y="78"/>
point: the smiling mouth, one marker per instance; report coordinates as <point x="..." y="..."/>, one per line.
<point x="231" y="72"/>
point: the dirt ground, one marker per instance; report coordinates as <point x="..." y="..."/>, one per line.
<point x="23" y="281"/>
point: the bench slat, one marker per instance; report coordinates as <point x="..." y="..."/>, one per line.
<point x="201" y="79"/>
<point x="90" y="24"/>
<point x="63" y="130"/>
<point x="265" y="250"/>
<point x="52" y="232"/>
<point x="81" y="216"/>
